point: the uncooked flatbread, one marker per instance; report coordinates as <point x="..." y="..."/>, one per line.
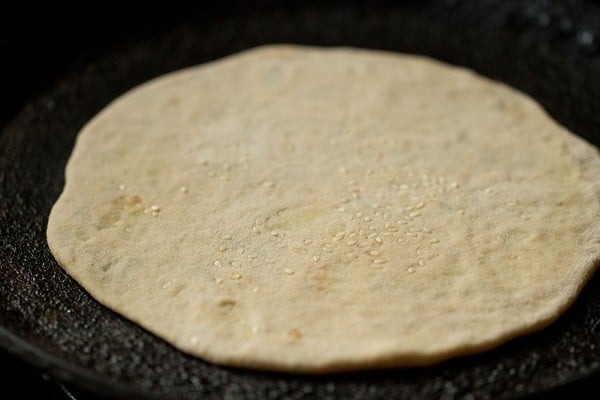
<point x="313" y="210"/>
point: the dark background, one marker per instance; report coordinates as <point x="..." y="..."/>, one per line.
<point x="42" y="45"/>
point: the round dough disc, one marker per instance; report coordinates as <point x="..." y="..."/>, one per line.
<point x="314" y="210"/>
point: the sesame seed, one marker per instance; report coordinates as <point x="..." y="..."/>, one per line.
<point x="237" y="276"/>
<point x="155" y="208"/>
<point x="454" y="185"/>
<point x="218" y="280"/>
<point x="345" y="200"/>
<point x="235" y="264"/>
<point x="255" y="328"/>
<point x="379" y="261"/>
<point x="351" y="242"/>
<point x="241" y="250"/>
<point x="426" y="230"/>
<point x="268" y="184"/>
<point x="378" y="240"/>
<point x="434" y="240"/>
<point x="194" y="339"/>
<point x="256" y="229"/>
<point x="222" y="248"/>
<point x="274" y="233"/>
<point x="339" y="236"/>
<point x="255" y="290"/>
<point x="217" y="263"/>
<point x="252" y="256"/>
<point x="183" y="189"/>
<point x="461" y="212"/>
<point x="411" y="270"/>
<point x="342" y="209"/>
<point x="400" y="240"/>
<point x="392" y="229"/>
<point x="307" y="241"/>
<point x="420" y="205"/>
<point x="414" y="214"/>
<point x="288" y="271"/>
<point x="374" y="253"/>
<point x="327" y="248"/>
<point x="421" y="262"/>
<point x="367" y="219"/>
<point x="316" y="258"/>
<point x="226" y="237"/>
<point x="121" y="187"/>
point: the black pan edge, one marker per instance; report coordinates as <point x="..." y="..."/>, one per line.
<point x="67" y="372"/>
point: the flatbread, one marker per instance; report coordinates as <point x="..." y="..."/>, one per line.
<point x="312" y="210"/>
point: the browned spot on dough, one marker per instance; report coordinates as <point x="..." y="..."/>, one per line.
<point x="108" y="219"/>
<point x="173" y="101"/>
<point x="131" y="204"/>
<point x="295" y="334"/>
<point x="320" y="275"/>
<point x="226" y="305"/>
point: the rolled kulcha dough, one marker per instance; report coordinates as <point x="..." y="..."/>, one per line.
<point x="313" y="210"/>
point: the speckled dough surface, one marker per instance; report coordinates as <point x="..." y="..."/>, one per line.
<point x="313" y="210"/>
